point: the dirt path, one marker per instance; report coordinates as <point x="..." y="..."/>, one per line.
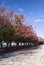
<point x="24" y="57"/>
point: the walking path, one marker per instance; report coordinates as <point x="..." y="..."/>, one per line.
<point x="24" y="57"/>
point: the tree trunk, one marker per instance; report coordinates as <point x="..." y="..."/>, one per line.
<point x="1" y="44"/>
<point x="17" y="43"/>
<point x="24" y="44"/>
<point x="30" y="45"/>
<point x="7" y="46"/>
<point x="10" y="44"/>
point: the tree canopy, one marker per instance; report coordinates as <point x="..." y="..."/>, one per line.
<point x="12" y="28"/>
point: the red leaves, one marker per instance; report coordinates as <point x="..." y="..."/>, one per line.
<point x="27" y="31"/>
<point x="22" y="31"/>
<point x="2" y="10"/>
<point x="11" y="13"/>
<point x="21" y="16"/>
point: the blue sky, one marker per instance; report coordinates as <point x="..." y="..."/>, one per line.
<point x="33" y="11"/>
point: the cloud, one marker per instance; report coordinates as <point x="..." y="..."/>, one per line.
<point x="20" y="9"/>
<point x="39" y="20"/>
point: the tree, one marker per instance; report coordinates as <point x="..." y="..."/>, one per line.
<point x="17" y="24"/>
<point x="26" y="34"/>
<point x="13" y="29"/>
<point x="6" y="28"/>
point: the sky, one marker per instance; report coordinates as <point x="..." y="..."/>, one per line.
<point x="33" y="11"/>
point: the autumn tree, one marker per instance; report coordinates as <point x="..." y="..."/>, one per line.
<point x="6" y="27"/>
<point x="17" y="24"/>
<point x="12" y="28"/>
